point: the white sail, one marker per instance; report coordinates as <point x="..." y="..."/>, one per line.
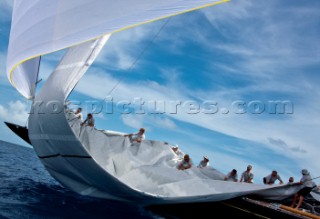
<point x="41" y="27"/>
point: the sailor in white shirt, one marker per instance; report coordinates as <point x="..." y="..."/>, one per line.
<point x="232" y="176"/>
<point x="178" y="151"/>
<point x="306" y="180"/>
<point x="137" y="137"/>
<point x="247" y="175"/>
<point x="186" y="163"/>
<point x="89" y="121"/>
<point x="78" y="114"/>
<point x="271" y="178"/>
<point x="204" y="162"/>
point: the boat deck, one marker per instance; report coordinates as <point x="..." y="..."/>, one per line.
<point x="235" y="208"/>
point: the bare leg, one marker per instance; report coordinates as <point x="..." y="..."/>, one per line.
<point x="300" y="202"/>
<point x="294" y="200"/>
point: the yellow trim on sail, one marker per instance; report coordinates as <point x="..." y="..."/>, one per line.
<point x="160" y="18"/>
<point x="116" y="31"/>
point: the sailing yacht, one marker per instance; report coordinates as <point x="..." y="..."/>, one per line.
<point x="86" y="160"/>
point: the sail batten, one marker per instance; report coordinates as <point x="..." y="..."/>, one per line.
<point x="41" y="27"/>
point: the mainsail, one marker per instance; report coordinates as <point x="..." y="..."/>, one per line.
<point x="89" y="161"/>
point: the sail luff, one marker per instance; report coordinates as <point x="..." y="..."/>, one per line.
<point x="95" y="50"/>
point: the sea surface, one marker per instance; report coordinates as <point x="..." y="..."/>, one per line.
<point x="28" y="191"/>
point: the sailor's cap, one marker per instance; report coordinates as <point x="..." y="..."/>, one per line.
<point x="305" y="172"/>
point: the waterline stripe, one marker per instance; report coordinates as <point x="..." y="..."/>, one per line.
<point x="67" y="156"/>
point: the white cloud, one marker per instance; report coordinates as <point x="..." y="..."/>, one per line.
<point x="132" y="121"/>
<point x="16" y="112"/>
<point x="144" y="120"/>
<point x="264" y="37"/>
<point x="126" y="49"/>
<point x="162" y="122"/>
<point x="283" y="145"/>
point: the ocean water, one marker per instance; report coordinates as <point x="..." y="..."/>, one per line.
<point x="28" y="191"/>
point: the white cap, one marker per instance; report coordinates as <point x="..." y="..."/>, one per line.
<point x="305" y="172"/>
<point x="206" y="157"/>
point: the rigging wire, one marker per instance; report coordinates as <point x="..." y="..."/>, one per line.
<point x="140" y="55"/>
<point x="309" y="180"/>
<point x="26" y="124"/>
<point x="315" y="178"/>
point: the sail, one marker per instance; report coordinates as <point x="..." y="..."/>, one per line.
<point x="73" y="66"/>
<point x="41" y="27"/>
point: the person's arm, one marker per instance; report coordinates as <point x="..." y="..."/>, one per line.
<point x="84" y="122"/>
<point x="179" y="153"/>
<point x="279" y="178"/>
<point x="241" y="179"/>
<point x="250" y="180"/>
<point x="127" y="135"/>
<point x="301" y="181"/>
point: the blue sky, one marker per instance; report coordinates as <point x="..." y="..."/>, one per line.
<point x="250" y="52"/>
